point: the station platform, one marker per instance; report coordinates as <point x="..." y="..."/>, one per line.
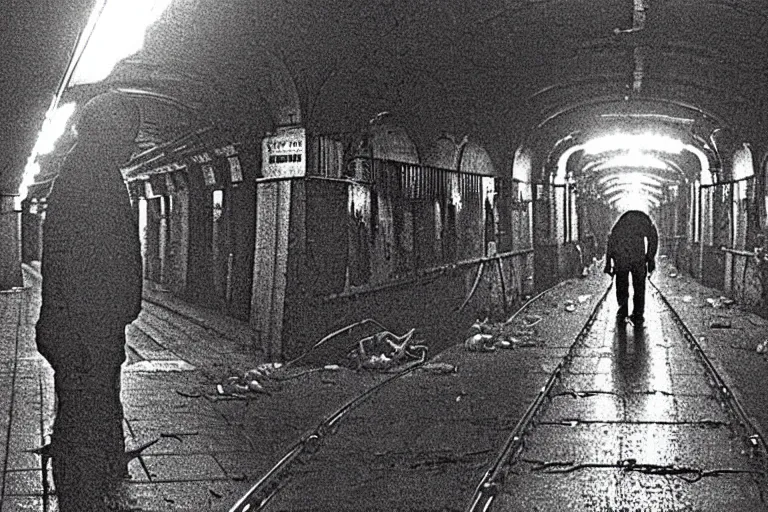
<point x="425" y="440"/>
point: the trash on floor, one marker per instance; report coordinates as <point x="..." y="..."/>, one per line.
<point x="502" y="344"/>
<point x="481" y="336"/>
<point x="439" y="368"/>
<point x="720" y="302"/>
<point x="720" y="324"/>
<point x="481" y="327"/>
<point x="513" y="342"/>
<point x="262" y="379"/>
<point x="584" y="298"/>
<point x="762" y="347"/>
<point x="484" y="336"/>
<point x="480" y="343"/>
<point x="387" y="351"/>
<point x="531" y="320"/>
<point x="570" y="306"/>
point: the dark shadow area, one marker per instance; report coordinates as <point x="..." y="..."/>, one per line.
<point x="632" y="368"/>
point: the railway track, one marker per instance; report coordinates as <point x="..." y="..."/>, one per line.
<point x="269" y="485"/>
<point x="261" y="493"/>
<point x="678" y="373"/>
<point x="749" y="462"/>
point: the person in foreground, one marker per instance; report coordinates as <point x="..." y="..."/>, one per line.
<point x="631" y="249"/>
<point x="92" y="284"/>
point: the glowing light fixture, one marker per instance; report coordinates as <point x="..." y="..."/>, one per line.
<point x="631" y="179"/>
<point x="640" y="202"/>
<point x="53" y="127"/>
<point x="633" y="159"/>
<point x="638" y="142"/>
<point x="624" y="189"/>
<point x="116" y="30"/>
<point x="632" y="191"/>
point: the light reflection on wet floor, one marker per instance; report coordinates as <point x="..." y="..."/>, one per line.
<point x="635" y="396"/>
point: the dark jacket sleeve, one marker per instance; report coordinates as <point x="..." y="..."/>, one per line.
<point x="653" y="241"/>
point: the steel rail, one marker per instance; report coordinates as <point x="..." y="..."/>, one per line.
<point x="754" y="433"/>
<point x="492" y="480"/>
<point x="262" y="492"/>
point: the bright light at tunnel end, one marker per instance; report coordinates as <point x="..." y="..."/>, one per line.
<point x="628" y="189"/>
<point x="642" y="142"/>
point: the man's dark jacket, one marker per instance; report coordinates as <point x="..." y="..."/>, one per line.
<point x="91" y="264"/>
<point x="626" y="243"/>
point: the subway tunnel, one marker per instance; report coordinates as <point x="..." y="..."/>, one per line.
<point x="334" y="199"/>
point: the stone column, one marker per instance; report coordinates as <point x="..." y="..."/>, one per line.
<point x="10" y="242"/>
<point x="273" y="209"/>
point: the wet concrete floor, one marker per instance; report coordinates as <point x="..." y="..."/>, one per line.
<point x="634" y="423"/>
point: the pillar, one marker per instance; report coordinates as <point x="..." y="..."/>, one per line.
<point x="273" y="209"/>
<point x="10" y="242"/>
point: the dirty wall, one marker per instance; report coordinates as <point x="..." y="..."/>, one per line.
<point x="410" y="247"/>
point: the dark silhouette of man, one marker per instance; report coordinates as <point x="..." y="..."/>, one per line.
<point x="92" y="283"/>
<point x="631" y="249"/>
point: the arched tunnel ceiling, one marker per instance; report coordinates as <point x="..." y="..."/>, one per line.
<point x="479" y="67"/>
<point x="492" y="69"/>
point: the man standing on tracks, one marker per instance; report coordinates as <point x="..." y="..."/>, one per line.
<point x="631" y="249"/>
<point x="92" y="283"/>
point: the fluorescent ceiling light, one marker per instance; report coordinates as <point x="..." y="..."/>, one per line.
<point x="54" y="125"/>
<point x="115" y="31"/>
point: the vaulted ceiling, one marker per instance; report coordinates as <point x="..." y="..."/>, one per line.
<point x="504" y="72"/>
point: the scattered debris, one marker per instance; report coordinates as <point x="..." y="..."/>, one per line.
<point x="532" y="320"/>
<point x="262" y="379"/>
<point x="480" y="337"/>
<point x="480" y="343"/>
<point x="583" y="298"/>
<point x="188" y="395"/>
<point x="762" y="348"/>
<point x="673" y="274"/>
<point x="481" y="327"/>
<point x="720" y="302"/>
<point x="439" y="368"/>
<point x="387" y="351"/>
<point x="570" y="306"/>
<point x="483" y="336"/>
<point x="720" y="324"/>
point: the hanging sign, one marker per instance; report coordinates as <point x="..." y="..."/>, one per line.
<point x="235" y="169"/>
<point x="284" y="154"/>
<point x="209" y="175"/>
